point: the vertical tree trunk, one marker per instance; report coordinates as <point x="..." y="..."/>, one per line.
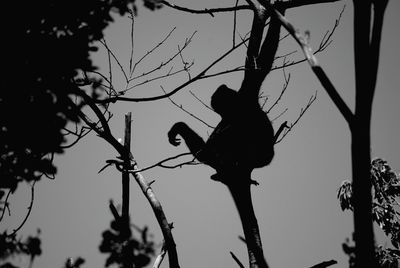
<point x="241" y="195"/>
<point x="126" y="228"/>
<point x="363" y="225"/>
<point x="125" y="174"/>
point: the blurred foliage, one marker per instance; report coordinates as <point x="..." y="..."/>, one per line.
<point x="124" y="249"/>
<point x="71" y="263"/>
<point x="45" y="43"/>
<point x="11" y="247"/>
<point x="385" y="211"/>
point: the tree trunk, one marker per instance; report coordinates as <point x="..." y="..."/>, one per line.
<point x="241" y="195"/>
<point x="363" y="224"/>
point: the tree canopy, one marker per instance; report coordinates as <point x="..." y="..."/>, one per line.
<point x="45" y="43"/>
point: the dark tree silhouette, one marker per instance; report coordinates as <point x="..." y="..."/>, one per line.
<point x="385" y="211"/>
<point x="45" y="43"/>
<point x="368" y="23"/>
<point x="244" y="138"/>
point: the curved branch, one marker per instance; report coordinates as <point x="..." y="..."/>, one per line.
<point x="299" y="3"/>
<point x="302" y="111"/>
<point x="187" y="112"/>
<point x="236" y="259"/>
<point x="199" y="76"/>
<point x="160" y="216"/>
<point x="106" y="132"/>
<point x="5" y="206"/>
<point x="161" y="163"/>
<point x="312" y="60"/>
<point x="210" y="11"/>
<point x="241" y="194"/>
<point x="28" y="213"/>
<point x="149" y="52"/>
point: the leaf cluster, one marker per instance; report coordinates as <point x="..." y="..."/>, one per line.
<point x="385" y="209"/>
<point x="45" y="43"/>
<point x="10" y="247"/>
<point x="124" y="249"/>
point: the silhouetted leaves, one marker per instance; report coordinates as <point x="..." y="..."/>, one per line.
<point x="71" y="263"/>
<point x="152" y="4"/>
<point x="44" y="44"/>
<point x="345" y="194"/>
<point x="10" y="247"/>
<point x="385" y="210"/>
<point x="125" y="250"/>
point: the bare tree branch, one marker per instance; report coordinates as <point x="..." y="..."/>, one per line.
<point x="200" y="75"/>
<point x="285" y="86"/>
<point x="318" y="71"/>
<point x="28" y="213"/>
<point x="236" y="259"/>
<point x="299" y="3"/>
<point x="206" y="10"/>
<point x="160" y="256"/>
<point x="160" y="216"/>
<point x="103" y="42"/>
<point x="302" y="112"/>
<point x="132" y="17"/>
<point x="202" y="102"/>
<point x="149" y="52"/>
<point x="324" y="264"/>
<point x="186" y="111"/>
<point x="6" y="206"/>
<point x="161" y="163"/>
<point x="234" y="24"/>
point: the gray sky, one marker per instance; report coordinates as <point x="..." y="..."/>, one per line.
<point x="300" y="219"/>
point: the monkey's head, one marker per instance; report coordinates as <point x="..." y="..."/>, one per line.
<point x="225" y="101"/>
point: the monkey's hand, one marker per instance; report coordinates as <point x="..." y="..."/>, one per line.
<point x="174" y="132"/>
<point x="174" y="141"/>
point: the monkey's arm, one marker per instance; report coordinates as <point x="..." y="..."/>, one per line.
<point x="193" y="141"/>
<point x="270" y="45"/>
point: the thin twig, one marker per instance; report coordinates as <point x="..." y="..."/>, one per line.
<point x="202" y="102"/>
<point x="302" y="111"/>
<point x="186" y="111"/>
<point x="161" y="163"/>
<point x="132" y="17"/>
<point x="199" y="76"/>
<point x="236" y="259"/>
<point x="234" y="24"/>
<point x="6" y="206"/>
<point x="285" y="86"/>
<point x="29" y="210"/>
<point x="312" y="60"/>
<point x="186" y="65"/>
<point x="324" y="264"/>
<point x="168" y="74"/>
<point x="82" y="133"/>
<point x="160" y="257"/>
<point x="103" y="42"/>
<point x="150" y="51"/>
<point x="279" y="115"/>
<point x="110" y="79"/>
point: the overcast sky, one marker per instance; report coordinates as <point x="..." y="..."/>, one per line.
<point x="300" y="219"/>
